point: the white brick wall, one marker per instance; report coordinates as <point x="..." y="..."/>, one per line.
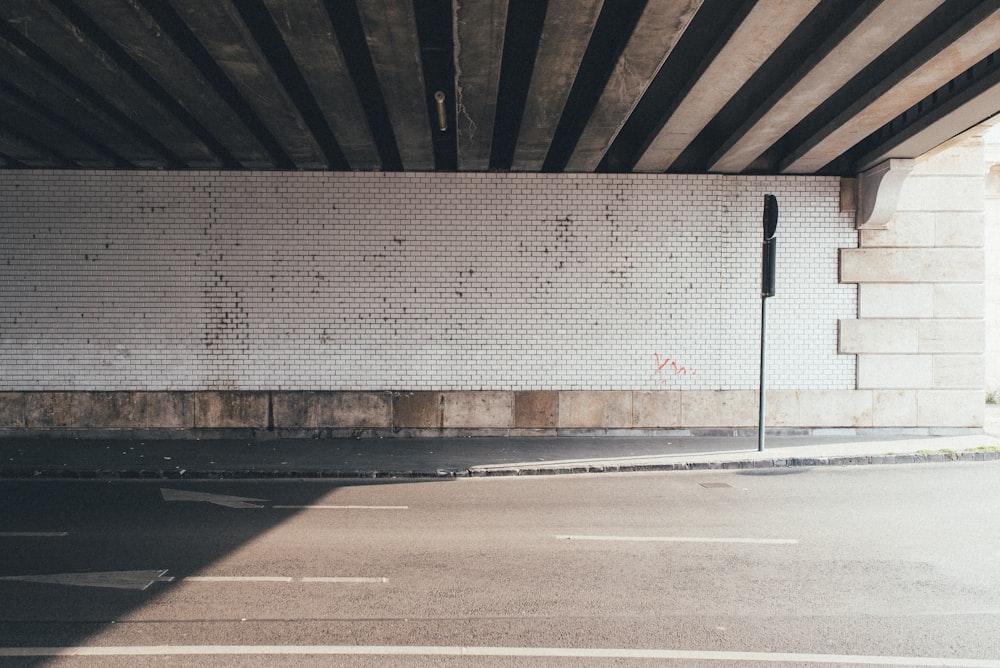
<point x="213" y="280"/>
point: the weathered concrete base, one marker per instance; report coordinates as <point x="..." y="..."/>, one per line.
<point x="290" y="414"/>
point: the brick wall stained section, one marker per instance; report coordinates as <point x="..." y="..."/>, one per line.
<point x="368" y="281"/>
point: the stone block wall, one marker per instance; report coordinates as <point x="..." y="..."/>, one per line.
<point x="992" y="241"/>
<point x="920" y="335"/>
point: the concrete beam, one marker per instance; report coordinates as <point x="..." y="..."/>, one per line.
<point x="568" y="26"/>
<point x="221" y="31"/>
<point x="307" y="31"/>
<point x="130" y="25"/>
<point x="868" y="115"/>
<point x="22" y="118"/>
<point x="876" y="33"/>
<point x="56" y="34"/>
<point x="662" y="23"/>
<point x="35" y="81"/>
<point x="971" y="110"/>
<point x="479" y="36"/>
<point x="763" y="31"/>
<point x="391" y="31"/>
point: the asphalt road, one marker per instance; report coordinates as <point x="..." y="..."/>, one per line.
<point x="877" y="565"/>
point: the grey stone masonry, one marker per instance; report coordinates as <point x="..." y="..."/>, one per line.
<point x="920" y="335"/>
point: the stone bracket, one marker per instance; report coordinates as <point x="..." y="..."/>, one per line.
<point x="878" y="192"/>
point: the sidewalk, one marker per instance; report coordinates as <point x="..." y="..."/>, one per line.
<point x="459" y="457"/>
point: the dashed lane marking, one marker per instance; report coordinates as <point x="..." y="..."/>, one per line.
<point x="347" y="580"/>
<point x="685" y="539"/>
<point x="342" y="507"/>
<point x="284" y="579"/>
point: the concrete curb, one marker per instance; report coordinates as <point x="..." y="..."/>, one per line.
<point x="211" y="474"/>
<point x="69" y="473"/>
<point x="744" y="464"/>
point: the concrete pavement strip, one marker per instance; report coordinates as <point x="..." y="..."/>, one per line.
<point x="908" y="451"/>
<point x="476" y="457"/>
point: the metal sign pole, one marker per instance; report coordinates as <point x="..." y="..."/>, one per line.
<point x="763" y="339"/>
<point x="766" y="290"/>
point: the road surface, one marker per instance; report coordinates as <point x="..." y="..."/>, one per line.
<point x="877" y="565"/>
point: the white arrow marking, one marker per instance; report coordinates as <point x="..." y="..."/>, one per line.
<point x="138" y="580"/>
<point x="217" y="499"/>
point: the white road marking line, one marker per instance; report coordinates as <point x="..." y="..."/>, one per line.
<point x="33" y="534"/>
<point x="344" y="507"/>
<point x="239" y="578"/>
<point x="535" y="652"/>
<point x="685" y="539"/>
<point x="346" y="580"/>
<point x="283" y="579"/>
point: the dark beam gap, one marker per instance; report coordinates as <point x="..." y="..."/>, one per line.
<point x="818" y="34"/>
<point x="68" y="125"/>
<point x="92" y="97"/>
<point x="350" y="33"/>
<point x="525" y="21"/>
<point x="435" y="34"/>
<point x="194" y="51"/>
<point x="611" y="34"/>
<point x="122" y="60"/>
<point x="257" y="18"/>
<point x="708" y="32"/>
<point x="942" y="26"/>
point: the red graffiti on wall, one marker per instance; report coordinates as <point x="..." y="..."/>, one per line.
<point x="667" y="363"/>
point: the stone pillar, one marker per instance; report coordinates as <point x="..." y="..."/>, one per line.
<point x="993" y="262"/>
<point x="919" y="336"/>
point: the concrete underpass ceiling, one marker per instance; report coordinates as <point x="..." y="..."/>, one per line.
<point x="691" y="86"/>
